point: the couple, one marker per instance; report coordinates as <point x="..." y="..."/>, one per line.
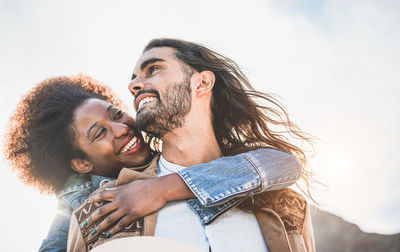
<point x="203" y="108"/>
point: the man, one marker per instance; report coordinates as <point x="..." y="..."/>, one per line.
<point x="202" y="107"/>
<point x="196" y="101"/>
<point x="173" y="102"/>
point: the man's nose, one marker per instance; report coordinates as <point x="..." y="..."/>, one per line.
<point x="135" y="86"/>
<point x="119" y="129"/>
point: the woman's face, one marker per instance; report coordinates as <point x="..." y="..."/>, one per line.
<point x="106" y="135"/>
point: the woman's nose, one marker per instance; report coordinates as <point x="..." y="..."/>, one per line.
<point x="120" y="129"/>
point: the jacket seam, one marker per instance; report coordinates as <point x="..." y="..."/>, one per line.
<point x="88" y="185"/>
<point x="256" y="169"/>
<point x="192" y="187"/>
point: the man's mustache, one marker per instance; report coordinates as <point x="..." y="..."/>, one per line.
<point x="147" y="91"/>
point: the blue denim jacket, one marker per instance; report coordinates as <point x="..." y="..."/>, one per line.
<point x="76" y="190"/>
<point x="218" y="186"/>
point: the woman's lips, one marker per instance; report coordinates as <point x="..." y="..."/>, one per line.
<point x="129" y="145"/>
<point x="135" y="148"/>
<point x="126" y="141"/>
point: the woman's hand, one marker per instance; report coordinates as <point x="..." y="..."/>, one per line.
<point x="135" y="200"/>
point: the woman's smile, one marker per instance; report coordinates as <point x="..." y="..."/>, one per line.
<point x="108" y="137"/>
<point x="131" y="144"/>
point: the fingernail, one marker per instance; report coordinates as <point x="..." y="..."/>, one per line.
<point x="108" y="234"/>
<point x="85" y="223"/>
<point x="94" y="231"/>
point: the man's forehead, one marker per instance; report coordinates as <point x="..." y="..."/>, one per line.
<point x="164" y="53"/>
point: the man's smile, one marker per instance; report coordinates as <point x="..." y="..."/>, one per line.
<point x="144" y="99"/>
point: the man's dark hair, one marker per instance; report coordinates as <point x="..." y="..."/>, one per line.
<point x="39" y="142"/>
<point x="240" y="120"/>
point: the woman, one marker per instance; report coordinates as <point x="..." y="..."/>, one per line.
<point x="66" y="128"/>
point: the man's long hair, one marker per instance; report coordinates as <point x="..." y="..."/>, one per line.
<point x="240" y="119"/>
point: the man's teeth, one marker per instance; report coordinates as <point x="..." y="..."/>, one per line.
<point x="146" y="100"/>
<point x="129" y="145"/>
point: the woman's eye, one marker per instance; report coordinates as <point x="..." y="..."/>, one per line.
<point x="117" y="115"/>
<point x="99" y="133"/>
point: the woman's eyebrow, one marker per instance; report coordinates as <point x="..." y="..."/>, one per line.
<point x="95" y="124"/>
<point x="91" y="127"/>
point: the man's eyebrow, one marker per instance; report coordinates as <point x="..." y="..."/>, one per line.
<point x="145" y="64"/>
<point x="148" y="62"/>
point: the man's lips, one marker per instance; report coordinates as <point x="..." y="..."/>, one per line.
<point x="143" y="95"/>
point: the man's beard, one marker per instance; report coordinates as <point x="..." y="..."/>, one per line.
<point x="169" y="114"/>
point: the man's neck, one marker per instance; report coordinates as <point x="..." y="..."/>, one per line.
<point x="194" y="143"/>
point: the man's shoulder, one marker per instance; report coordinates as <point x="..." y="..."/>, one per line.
<point x="289" y="205"/>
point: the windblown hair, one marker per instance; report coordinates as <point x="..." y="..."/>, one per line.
<point x="39" y="140"/>
<point x="240" y="120"/>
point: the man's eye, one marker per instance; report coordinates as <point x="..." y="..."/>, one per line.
<point x="99" y="133"/>
<point x="152" y="69"/>
<point x="117" y="115"/>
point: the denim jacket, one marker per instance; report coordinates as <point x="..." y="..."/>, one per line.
<point x="218" y="186"/>
<point x="76" y="190"/>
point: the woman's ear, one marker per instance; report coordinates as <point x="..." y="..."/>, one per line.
<point x="81" y="165"/>
<point x="206" y="83"/>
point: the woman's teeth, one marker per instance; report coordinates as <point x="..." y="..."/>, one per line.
<point x="129" y="145"/>
<point x="146" y="100"/>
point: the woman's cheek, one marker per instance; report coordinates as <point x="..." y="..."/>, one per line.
<point x="102" y="150"/>
<point x="106" y="151"/>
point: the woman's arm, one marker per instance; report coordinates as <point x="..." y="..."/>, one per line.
<point x="254" y="171"/>
<point x="212" y="183"/>
<point x="75" y="192"/>
<point x="56" y="239"/>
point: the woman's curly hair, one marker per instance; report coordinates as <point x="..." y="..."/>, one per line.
<point x="39" y="139"/>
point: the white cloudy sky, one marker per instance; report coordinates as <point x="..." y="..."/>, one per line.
<point x="335" y="64"/>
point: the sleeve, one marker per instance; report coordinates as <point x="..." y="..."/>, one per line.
<point x="56" y="239"/>
<point x="75" y="240"/>
<point x="255" y="171"/>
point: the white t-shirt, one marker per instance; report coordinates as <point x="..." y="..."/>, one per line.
<point x="235" y="230"/>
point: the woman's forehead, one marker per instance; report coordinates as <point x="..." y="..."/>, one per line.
<point x="91" y="111"/>
<point x="93" y="106"/>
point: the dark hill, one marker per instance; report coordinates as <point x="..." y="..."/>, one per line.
<point x="332" y="233"/>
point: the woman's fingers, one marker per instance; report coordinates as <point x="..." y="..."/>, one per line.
<point x="108" y="194"/>
<point x="106" y="209"/>
<point x="109" y="220"/>
<point x="125" y="221"/>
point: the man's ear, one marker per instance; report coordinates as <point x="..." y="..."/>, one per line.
<point x="81" y="165"/>
<point x="206" y="83"/>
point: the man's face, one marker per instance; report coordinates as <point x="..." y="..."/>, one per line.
<point x="162" y="91"/>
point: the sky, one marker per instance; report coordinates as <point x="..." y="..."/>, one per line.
<point x="334" y="64"/>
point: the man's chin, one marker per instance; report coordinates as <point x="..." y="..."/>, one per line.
<point x="147" y="124"/>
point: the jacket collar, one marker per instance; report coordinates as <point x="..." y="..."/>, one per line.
<point x="75" y="182"/>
